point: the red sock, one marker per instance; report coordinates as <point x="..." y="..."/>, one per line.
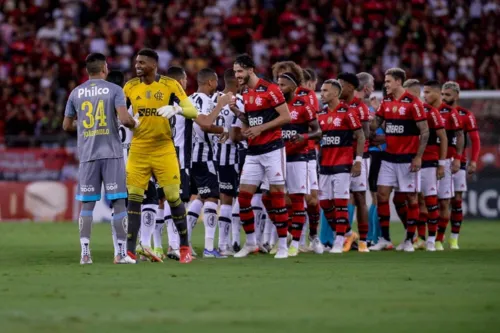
<point x="341" y="216"/>
<point x="266" y="200"/>
<point x="421" y="225"/>
<point x="399" y="201"/>
<point x="328" y="207"/>
<point x="384" y="216"/>
<point x="299" y="215"/>
<point x="456" y="216"/>
<point x="313" y="214"/>
<point x="289" y="209"/>
<point x="432" y="213"/>
<point x="442" y="224"/>
<point x="411" y="222"/>
<point x="280" y="213"/>
<point x="246" y="212"/>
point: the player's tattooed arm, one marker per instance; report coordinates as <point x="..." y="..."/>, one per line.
<point x="424" y="137"/>
<point x="376" y="123"/>
<point x="360" y="145"/>
<point x="366" y="128"/>
<point x="313" y="134"/>
<point x="459" y="135"/>
<point x="443" y="150"/>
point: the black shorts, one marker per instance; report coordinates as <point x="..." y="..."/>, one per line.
<point x="242" y="154"/>
<point x="206" y="179"/>
<point x="376" y="161"/>
<point x="229" y="176"/>
<point x="151" y="195"/>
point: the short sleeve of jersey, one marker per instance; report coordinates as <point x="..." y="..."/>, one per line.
<point x="275" y="96"/>
<point x="177" y="90"/>
<point x="418" y="111"/>
<point x="353" y="121"/>
<point x="435" y="120"/>
<point x="70" y="111"/>
<point x="469" y="123"/>
<point x="313" y="100"/>
<point x="380" y="110"/>
<point x="119" y="97"/>
<point x="310" y="114"/>
<point x="456" y="124"/>
<point x="364" y="113"/>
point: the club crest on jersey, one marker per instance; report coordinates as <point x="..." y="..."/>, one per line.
<point x="337" y="122"/>
<point x="258" y="101"/>
<point x="402" y="110"/>
<point x="148" y="94"/>
<point x="158" y="95"/>
<point x="394" y="109"/>
<point x="294" y="114"/>
<point x="330" y="120"/>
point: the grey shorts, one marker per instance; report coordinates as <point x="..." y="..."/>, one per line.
<point x="110" y="172"/>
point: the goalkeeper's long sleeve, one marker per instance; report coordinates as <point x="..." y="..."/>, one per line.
<point x="188" y="109"/>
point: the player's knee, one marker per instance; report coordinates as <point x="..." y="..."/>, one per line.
<point x="119" y="206"/>
<point x="135" y="193"/>
<point x="311" y="201"/>
<point x="88" y="206"/>
<point x="172" y="194"/>
<point x="359" y="198"/>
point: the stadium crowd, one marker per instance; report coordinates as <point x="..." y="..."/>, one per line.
<point x="44" y="43"/>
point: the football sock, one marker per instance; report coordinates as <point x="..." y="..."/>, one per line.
<point x="172" y="233"/>
<point x="362" y="219"/>
<point x="399" y="201"/>
<point x="148" y="221"/>
<point x="113" y="234"/>
<point x="456" y="217"/>
<point x="85" y="226"/>
<point x="280" y="213"/>
<point x="432" y="214"/>
<point x="303" y="233"/>
<point x="120" y="222"/>
<point x="313" y="214"/>
<point x="179" y="217"/>
<point x="442" y="224"/>
<point x="235" y="223"/>
<point x="224" y="225"/>
<point x="134" y="220"/>
<point x="210" y="222"/>
<point x="421" y="225"/>
<point x="193" y="215"/>
<point x="384" y="214"/>
<point x="159" y="225"/>
<point x="341" y="216"/>
<point x="374" y="226"/>
<point x="268" y="230"/>
<point x="298" y="216"/>
<point x="351" y="209"/>
<point x="328" y="208"/>
<point x="411" y="222"/>
<point x="247" y="216"/>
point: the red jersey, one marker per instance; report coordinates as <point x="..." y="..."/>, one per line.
<point x="363" y="112"/>
<point x="435" y="122"/>
<point x="452" y="124"/>
<point x="260" y="104"/>
<point x="401" y="131"/>
<point x="338" y="126"/>
<point x="310" y="96"/>
<point x="469" y="124"/>
<point x="301" y="114"/>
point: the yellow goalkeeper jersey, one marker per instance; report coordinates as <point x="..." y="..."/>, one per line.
<point x="154" y="135"/>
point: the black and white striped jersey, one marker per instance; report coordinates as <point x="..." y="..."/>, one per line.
<point x="182" y="134"/>
<point x="203" y="143"/>
<point x="227" y="151"/>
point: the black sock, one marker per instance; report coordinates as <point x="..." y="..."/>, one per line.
<point x="179" y="218"/>
<point x="134" y="224"/>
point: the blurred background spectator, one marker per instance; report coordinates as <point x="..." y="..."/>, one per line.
<point x="44" y="43"/>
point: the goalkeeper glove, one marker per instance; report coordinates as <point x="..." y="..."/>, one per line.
<point x="136" y="119"/>
<point x="168" y="111"/>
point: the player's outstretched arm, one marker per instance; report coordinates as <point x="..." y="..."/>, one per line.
<point x="206" y="121"/>
<point x="125" y="118"/>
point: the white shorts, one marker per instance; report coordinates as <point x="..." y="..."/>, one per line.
<point x="334" y="186"/>
<point x="460" y="181"/>
<point x="360" y="183"/>
<point x="398" y="176"/>
<point x="312" y="173"/>
<point x="445" y="185"/>
<point x="269" y="165"/>
<point x="296" y="178"/>
<point x="429" y="181"/>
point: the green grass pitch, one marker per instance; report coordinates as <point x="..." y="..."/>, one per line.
<point x="44" y="289"/>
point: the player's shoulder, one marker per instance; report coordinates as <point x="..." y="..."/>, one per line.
<point x="298" y="101"/>
<point x="429" y="108"/>
<point x="264" y="85"/>
<point x="344" y="108"/>
<point x="323" y="110"/>
<point x="303" y="91"/>
<point x="131" y="83"/>
<point x="167" y="81"/>
<point x="409" y="98"/>
<point x="463" y="111"/>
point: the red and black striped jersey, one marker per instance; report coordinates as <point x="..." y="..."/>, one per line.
<point x="435" y="122"/>
<point x="363" y="113"/>
<point x="260" y="104"/>
<point x="310" y="96"/>
<point x="452" y="124"/>
<point x="336" y="151"/>
<point x="469" y="124"/>
<point x="401" y="131"/>
<point x="301" y="113"/>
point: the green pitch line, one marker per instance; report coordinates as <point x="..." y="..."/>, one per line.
<point x="44" y="289"/>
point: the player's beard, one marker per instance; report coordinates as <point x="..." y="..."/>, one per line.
<point x="288" y="96"/>
<point x="245" y="80"/>
<point x="450" y="103"/>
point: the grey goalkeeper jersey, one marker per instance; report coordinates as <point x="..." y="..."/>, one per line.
<point x="94" y="105"/>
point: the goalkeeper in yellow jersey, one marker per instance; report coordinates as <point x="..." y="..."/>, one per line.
<point x="156" y="99"/>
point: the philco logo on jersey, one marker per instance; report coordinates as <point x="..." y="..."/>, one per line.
<point x="288" y="134"/>
<point x="92" y="91"/>
<point x="147" y="112"/>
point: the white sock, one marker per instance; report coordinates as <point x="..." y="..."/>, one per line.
<point x="122" y="247"/>
<point x="210" y="222"/>
<point x="251" y="240"/>
<point x="339" y="240"/>
<point x="173" y="234"/>
<point x="431" y="239"/>
<point x="193" y="214"/>
<point x="224" y="225"/>
<point x="85" y="245"/>
<point x="295" y="244"/>
<point x="158" y="231"/>
<point x="303" y="236"/>
<point x="115" y="240"/>
<point x="282" y="243"/>
<point x="257" y="212"/>
<point x="236" y="223"/>
<point x="274" y="234"/>
<point x="454" y="236"/>
<point x="268" y="228"/>
<point x="148" y="221"/>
